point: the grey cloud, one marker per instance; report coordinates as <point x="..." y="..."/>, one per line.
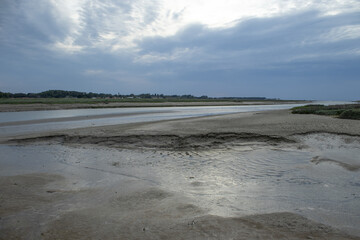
<point x="263" y="40"/>
<point x="268" y="56"/>
<point x="119" y="18"/>
<point x="283" y="57"/>
<point x="29" y="22"/>
<point x="39" y="24"/>
<point x="177" y="15"/>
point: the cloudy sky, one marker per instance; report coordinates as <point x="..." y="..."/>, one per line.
<point x="300" y="49"/>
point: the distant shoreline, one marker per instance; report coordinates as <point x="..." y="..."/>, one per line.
<point x="15" y="107"/>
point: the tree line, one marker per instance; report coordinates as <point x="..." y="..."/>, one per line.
<point x="75" y="94"/>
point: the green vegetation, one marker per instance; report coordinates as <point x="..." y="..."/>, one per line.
<point x="101" y="100"/>
<point x="350" y="114"/>
<point x="55" y="94"/>
<point x="346" y="111"/>
<point x="75" y="94"/>
<point x="117" y="100"/>
<point x="72" y="97"/>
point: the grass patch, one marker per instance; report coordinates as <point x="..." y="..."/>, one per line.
<point x="350" y="114"/>
<point x="345" y="111"/>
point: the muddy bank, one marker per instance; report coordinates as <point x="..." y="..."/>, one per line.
<point x="168" y="142"/>
<point x="132" y="210"/>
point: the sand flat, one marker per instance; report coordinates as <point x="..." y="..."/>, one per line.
<point x="116" y="195"/>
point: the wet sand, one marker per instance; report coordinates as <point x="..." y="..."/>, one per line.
<point x="50" y="206"/>
<point x="142" y="212"/>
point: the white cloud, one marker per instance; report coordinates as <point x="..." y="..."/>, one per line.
<point x="68" y="14"/>
<point x="68" y="46"/>
<point x="341" y="33"/>
<point x="93" y="71"/>
<point x="181" y="54"/>
<point x="335" y="35"/>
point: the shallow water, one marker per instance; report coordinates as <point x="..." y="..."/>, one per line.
<point x="237" y="181"/>
<point x="64" y="119"/>
<point x="18" y="123"/>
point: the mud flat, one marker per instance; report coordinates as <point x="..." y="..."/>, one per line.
<point x="265" y="175"/>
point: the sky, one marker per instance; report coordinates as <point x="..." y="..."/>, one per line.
<point x="300" y="49"/>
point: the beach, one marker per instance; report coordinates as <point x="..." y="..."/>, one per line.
<point x="178" y="179"/>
